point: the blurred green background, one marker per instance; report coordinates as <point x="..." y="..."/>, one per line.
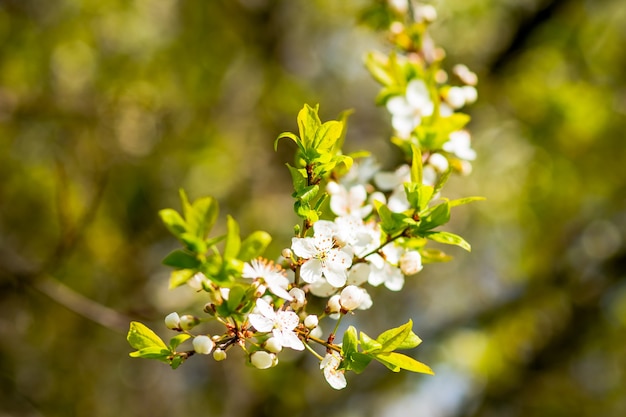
<point x="108" y="107"/>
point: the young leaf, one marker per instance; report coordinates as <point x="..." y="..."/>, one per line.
<point x="181" y="259"/>
<point x="358" y="361"/>
<point x="173" y="221"/>
<point x="151" y="353"/>
<point x="439" y="215"/>
<point x="308" y="123"/>
<point x="396" y="361"/>
<point x="233" y="240"/>
<point x="177" y="340"/>
<point x="180" y="277"/>
<point x="466" y="200"/>
<point x="201" y="216"/>
<point x="291" y="136"/>
<point x="235" y="297"/>
<point x="368" y="344"/>
<point x="449" y="239"/>
<point x="392" y="338"/>
<point x="141" y="337"/>
<point x="416" y="165"/>
<point x="298" y="177"/>
<point x="254" y="245"/>
<point x="350" y="342"/>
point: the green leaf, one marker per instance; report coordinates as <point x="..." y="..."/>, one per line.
<point x="180" y="277"/>
<point x="151" y="353"/>
<point x="327" y="135"/>
<point x="466" y="200"/>
<point x="141" y="337"/>
<point x="350" y="342"/>
<point x="181" y="259"/>
<point x="298" y="177"/>
<point x="254" y="245"/>
<point x="201" y="216"/>
<point x="233" y="240"/>
<point x="439" y="215"/>
<point x="411" y="341"/>
<point x="291" y="136"/>
<point x="449" y="239"/>
<point x="173" y="221"/>
<point x="391" y="223"/>
<point x="193" y="243"/>
<point x="308" y="193"/>
<point x="368" y="344"/>
<point x="308" y="123"/>
<point x="177" y="340"/>
<point x="235" y="297"/>
<point x="357" y="362"/>
<point x="397" y="361"/>
<point x="416" y="165"/>
<point x="177" y="361"/>
<point x="392" y="338"/>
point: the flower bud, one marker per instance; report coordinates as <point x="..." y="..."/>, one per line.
<point x="188" y="322"/>
<point x="219" y="354"/>
<point x="299" y="298"/>
<point x="470" y="93"/>
<point x="262" y="359"/>
<point x="439" y="162"/>
<point x="203" y="344"/>
<point x="196" y="281"/>
<point x="273" y="345"/>
<point x="172" y="321"/>
<point x="411" y="262"/>
<point x="287" y="253"/>
<point x="333" y="305"/>
<point x="311" y="321"/>
<point x="455" y="97"/>
<point x="317" y="332"/>
<point x="351" y="297"/>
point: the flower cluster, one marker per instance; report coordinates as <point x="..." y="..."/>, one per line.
<point x="362" y="226"/>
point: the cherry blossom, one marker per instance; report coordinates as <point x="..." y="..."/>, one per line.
<point x="281" y="323"/>
<point x="273" y="275"/>
<point x="322" y="257"/>
<point x="407" y="111"/>
<point x="459" y="144"/>
<point x="334" y="376"/>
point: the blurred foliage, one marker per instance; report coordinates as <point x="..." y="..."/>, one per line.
<point x="108" y="107"/>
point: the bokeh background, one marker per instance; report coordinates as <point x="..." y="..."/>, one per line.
<point x="108" y="107"/>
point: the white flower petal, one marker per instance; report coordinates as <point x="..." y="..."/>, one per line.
<point x="311" y="271"/>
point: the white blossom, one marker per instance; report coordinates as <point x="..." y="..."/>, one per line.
<point x="322" y="258"/>
<point x="411" y="262"/>
<point x="298" y="298"/>
<point x="407" y="111"/>
<point x="385" y="270"/>
<point x="388" y="181"/>
<point x="348" y="201"/>
<point x="459" y="144"/>
<point x="334" y="376"/>
<point x="281" y="323"/>
<point x="273" y="275"/>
